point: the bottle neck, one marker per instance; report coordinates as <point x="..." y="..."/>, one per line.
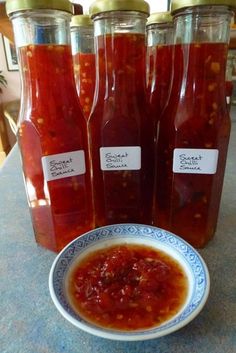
<point x="160" y="34"/>
<point x="82" y="39"/>
<point x="120" y="54"/>
<point x="200" y="53"/>
<point x="41" y="27"/>
<point x="202" y="24"/>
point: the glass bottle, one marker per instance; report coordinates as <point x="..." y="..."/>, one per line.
<point x="82" y="43"/>
<point x="52" y="132"/>
<point x="195" y="125"/>
<point x="159" y="60"/>
<point x="120" y="125"/>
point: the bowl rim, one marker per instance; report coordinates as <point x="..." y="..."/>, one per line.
<point x="165" y="328"/>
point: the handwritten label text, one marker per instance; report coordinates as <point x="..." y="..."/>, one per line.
<point x="63" y="165"/>
<point x="195" y="161"/>
<point x="120" y="158"/>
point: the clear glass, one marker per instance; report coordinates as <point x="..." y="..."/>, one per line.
<point x="41" y="27"/>
<point x="52" y="133"/>
<point x="209" y="24"/>
<point x="195" y="127"/>
<point x="160" y="38"/>
<point x="82" y="43"/>
<point x="160" y="34"/>
<point x="82" y="39"/>
<point x="120" y="125"/>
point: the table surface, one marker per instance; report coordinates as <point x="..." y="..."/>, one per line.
<point x="29" y="321"/>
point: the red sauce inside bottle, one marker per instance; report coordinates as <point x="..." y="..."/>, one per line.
<point x="159" y="78"/>
<point x="51" y="122"/>
<point x="196" y="118"/>
<point x="120" y="117"/>
<point x="127" y="287"/>
<point x="84" y="68"/>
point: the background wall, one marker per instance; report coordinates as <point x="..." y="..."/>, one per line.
<point x="12" y="91"/>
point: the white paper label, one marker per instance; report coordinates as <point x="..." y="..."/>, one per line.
<point x="195" y="161"/>
<point x="120" y="158"/>
<point x="63" y="165"/>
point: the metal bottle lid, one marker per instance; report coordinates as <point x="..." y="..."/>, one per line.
<point x="177" y="5"/>
<point x="159" y="17"/>
<point x="23" y="5"/>
<point x="100" y="6"/>
<point x="81" y="20"/>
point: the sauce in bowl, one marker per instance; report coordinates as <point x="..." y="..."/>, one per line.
<point x="127" y="287"/>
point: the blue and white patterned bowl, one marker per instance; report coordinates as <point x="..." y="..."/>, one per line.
<point x="191" y="261"/>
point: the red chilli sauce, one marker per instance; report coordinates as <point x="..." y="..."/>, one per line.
<point x="195" y="119"/>
<point x="84" y="68"/>
<point x="121" y="130"/>
<point x="52" y="124"/>
<point x="127" y="287"/>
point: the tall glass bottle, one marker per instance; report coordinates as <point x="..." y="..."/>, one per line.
<point x="195" y="126"/>
<point x="120" y="125"/>
<point x="82" y="43"/>
<point x="160" y="37"/>
<point x="52" y="132"/>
